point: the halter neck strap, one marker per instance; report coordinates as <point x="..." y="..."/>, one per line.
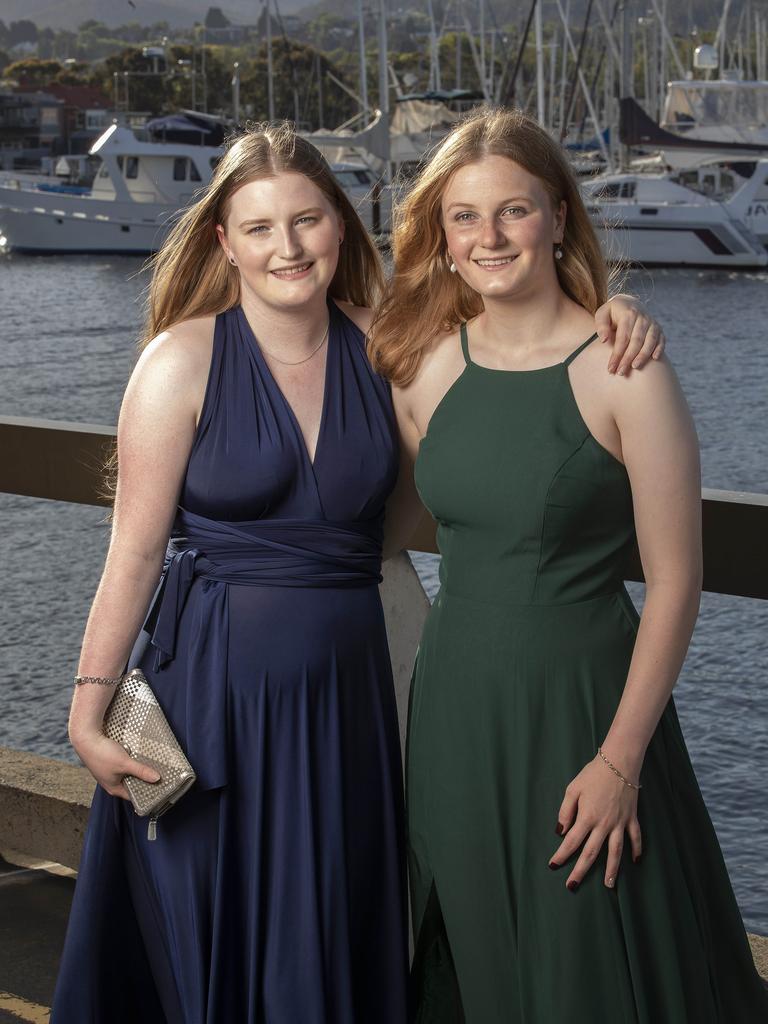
<point x="465" y="344"/>
<point x="579" y="350"/>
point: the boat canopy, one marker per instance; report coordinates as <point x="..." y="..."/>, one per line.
<point x="716" y="103"/>
<point x="636" y="128"/>
<point x="188" y="128"/>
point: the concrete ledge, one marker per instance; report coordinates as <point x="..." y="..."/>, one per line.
<point x="44" y="806"/>
<point x="759" y="944"/>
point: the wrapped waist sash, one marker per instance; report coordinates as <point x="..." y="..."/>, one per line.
<point x="264" y="553"/>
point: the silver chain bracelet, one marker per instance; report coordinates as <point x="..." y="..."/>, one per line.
<point x="97" y="680"/>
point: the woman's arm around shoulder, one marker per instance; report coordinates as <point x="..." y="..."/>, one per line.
<point x="634" y="334"/>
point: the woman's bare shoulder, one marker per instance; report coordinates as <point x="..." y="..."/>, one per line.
<point x="176" y="361"/>
<point x="186" y="345"/>
<point x="361" y="316"/>
<point x="188" y="338"/>
<point x="441" y="364"/>
<point x="441" y="358"/>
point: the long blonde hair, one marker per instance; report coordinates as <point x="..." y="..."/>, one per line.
<point x="191" y="275"/>
<point x="423" y="298"/>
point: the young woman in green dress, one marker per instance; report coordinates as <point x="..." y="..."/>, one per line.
<point x="548" y="887"/>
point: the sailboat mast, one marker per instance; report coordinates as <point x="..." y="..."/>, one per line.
<point x="483" y="72"/>
<point x="563" y="70"/>
<point x="627" y="70"/>
<point x="363" y="67"/>
<point x="270" y="64"/>
<point x="434" y="50"/>
<point x="539" y="35"/>
<point x="384" y="86"/>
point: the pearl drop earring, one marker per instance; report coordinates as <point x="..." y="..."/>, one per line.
<point x="559" y="252"/>
<point x="452" y="267"/>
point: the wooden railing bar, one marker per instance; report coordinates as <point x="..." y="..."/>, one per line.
<point x="64" y="461"/>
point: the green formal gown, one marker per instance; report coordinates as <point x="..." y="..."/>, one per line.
<point x="521" y="667"/>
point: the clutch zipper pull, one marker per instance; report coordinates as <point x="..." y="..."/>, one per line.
<point x="152" y="829"/>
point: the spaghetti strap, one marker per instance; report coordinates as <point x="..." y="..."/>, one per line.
<point x="579" y="350"/>
<point x="465" y="344"/>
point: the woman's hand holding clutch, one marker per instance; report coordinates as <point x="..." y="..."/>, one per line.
<point x="109" y="763"/>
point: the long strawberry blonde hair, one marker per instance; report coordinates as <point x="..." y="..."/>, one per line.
<point x="423" y="298"/>
<point x="191" y="275"/>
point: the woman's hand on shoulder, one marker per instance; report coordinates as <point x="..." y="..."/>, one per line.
<point x="635" y="335"/>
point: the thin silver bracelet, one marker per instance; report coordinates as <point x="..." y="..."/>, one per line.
<point x="97" y="680"/>
<point x="616" y="771"/>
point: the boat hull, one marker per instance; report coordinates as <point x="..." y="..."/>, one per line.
<point x="38" y="222"/>
<point x="674" y="238"/>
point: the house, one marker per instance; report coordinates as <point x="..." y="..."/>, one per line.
<point x="35" y="125"/>
<point x="30" y="127"/>
<point x="85" y="115"/>
<point x="219" y="29"/>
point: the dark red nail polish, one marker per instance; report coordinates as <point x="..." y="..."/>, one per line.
<point x="553" y="866"/>
<point x="638" y="858"/>
<point x="558" y="829"/>
<point x="572" y="886"/>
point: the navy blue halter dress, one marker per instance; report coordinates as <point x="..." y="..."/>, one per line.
<point x="274" y="892"/>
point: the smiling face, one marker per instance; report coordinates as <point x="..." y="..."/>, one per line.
<point x="283" y="234"/>
<point x="501" y="228"/>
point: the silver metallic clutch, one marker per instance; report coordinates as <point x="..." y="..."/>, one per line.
<point x="135" y="720"/>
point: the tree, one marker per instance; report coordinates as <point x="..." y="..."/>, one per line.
<point x="22" y="32"/>
<point x="329" y="31"/>
<point x="46" y="41"/>
<point x="74" y="74"/>
<point x="33" y="71"/>
<point x="297" y="68"/>
<point x="96" y="28"/>
<point x="136" y="87"/>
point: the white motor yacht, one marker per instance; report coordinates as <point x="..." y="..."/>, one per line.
<point x="703" y="217"/>
<point x="139" y="188"/>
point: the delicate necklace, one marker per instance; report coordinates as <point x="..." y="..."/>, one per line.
<point x="298" y="362"/>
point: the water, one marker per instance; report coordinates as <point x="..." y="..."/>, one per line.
<point x="67" y="348"/>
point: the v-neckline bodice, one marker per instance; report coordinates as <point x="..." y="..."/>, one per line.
<point x="312" y="459"/>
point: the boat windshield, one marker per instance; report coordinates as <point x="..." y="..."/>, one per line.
<point x="613" y="190"/>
